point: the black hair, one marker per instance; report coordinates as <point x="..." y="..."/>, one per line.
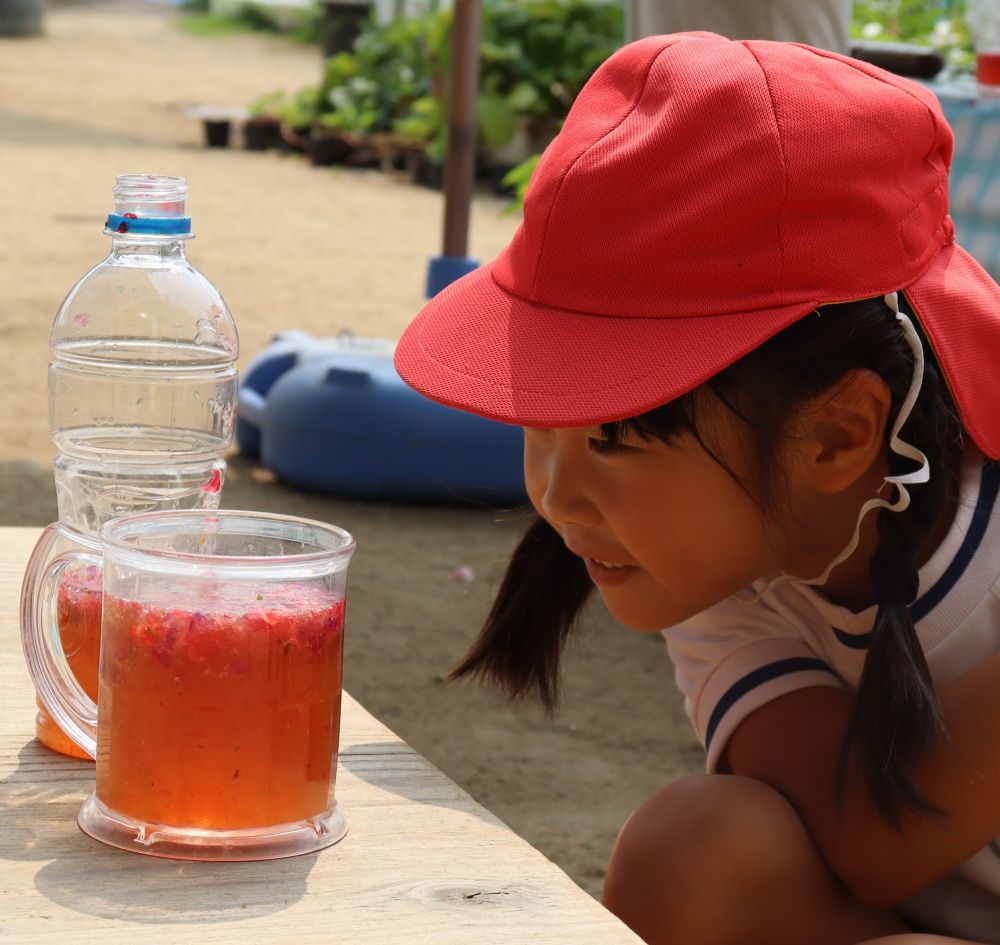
<point x="895" y="713"/>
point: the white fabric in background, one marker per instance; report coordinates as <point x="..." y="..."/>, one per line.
<point x="822" y="23"/>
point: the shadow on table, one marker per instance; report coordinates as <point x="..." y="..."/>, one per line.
<point x="40" y="799"/>
<point x="400" y="771"/>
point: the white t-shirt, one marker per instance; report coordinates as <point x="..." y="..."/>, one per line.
<point x="822" y="23"/>
<point x="739" y="655"/>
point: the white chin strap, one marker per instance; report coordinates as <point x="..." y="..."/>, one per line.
<point x="897" y="445"/>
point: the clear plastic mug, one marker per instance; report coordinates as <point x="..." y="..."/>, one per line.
<point x="221" y="665"/>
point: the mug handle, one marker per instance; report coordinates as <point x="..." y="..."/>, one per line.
<point x="71" y="708"/>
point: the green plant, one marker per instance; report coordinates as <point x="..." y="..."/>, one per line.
<point x="385" y="83"/>
<point x="308" y="26"/>
<point x="424" y="126"/>
<point x="519" y="177"/>
<point x="301" y="110"/>
<point x="209" y="26"/>
<point x="535" y="56"/>
<point x="301" y="25"/>
<point x="255" y="16"/>
<point x="942" y="24"/>
<point x="270" y="105"/>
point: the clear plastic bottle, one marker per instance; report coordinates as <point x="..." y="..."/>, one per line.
<point x="142" y="383"/>
<point x="142" y="400"/>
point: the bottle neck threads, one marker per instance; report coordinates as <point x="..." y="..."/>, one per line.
<point x="149" y="207"/>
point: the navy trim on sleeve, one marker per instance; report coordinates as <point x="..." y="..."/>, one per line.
<point x="758" y="677"/>
<point x="856" y="641"/>
<point x="988" y="489"/>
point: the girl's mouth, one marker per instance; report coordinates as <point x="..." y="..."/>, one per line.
<point x="604" y="572"/>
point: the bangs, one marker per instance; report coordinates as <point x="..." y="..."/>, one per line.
<point x="665" y="423"/>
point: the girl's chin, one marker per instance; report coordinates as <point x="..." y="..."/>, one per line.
<point x="641" y="619"/>
<point x="639" y="613"/>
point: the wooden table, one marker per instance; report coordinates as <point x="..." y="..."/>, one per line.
<point x="422" y="862"/>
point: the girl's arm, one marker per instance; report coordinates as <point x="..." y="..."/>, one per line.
<point x="793" y="745"/>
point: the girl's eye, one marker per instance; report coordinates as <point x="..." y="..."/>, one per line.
<point x="598" y="444"/>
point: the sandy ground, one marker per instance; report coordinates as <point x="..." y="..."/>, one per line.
<point x="105" y="91"/>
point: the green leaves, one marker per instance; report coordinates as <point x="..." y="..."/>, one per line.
<point x="270" y="105"/>
<point x="424" y="123"/>
<point x="303" y="109"/>
<point x="496" y="119"/>
<point x="535" y="55"/>
<point x="519" y="177"/>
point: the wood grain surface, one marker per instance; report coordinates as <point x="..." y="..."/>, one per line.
<point x="422" y="861"/>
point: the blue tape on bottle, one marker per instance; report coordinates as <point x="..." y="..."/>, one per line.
<point x="118" y="223"/>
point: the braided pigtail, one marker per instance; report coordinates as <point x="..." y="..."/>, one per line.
<point x="533" y="615"/>
<point x="896" y="714"/>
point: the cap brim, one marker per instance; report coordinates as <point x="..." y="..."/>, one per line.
<point x="477" y="347"/>
<point x="958" y="305"/>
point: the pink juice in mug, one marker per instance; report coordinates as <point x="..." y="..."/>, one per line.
<point x="78" y="615"/>
<point x="221" y="712"/>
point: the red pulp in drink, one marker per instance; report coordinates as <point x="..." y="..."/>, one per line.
<point x="78" y="615"/>
<point x="222" y="713"/>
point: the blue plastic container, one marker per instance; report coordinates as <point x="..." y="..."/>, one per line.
<point x="334" y="416"/>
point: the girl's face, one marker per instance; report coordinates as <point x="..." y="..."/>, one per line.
<point x="665" y="531"/>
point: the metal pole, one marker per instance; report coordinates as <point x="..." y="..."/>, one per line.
<point x="459" y="172"/>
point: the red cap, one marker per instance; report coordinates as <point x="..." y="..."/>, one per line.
<point x="702" y="195"/>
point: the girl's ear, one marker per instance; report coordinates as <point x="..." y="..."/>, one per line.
<point x="843" y="430"/>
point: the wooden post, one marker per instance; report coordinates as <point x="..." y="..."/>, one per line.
<point x="463" y="88"/>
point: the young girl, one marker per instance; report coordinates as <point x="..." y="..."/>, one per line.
<point x="759" y="383"/>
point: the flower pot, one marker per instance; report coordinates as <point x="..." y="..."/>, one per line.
<point x="428" y="173"/>
<point x="327" y="148"/>
<point x="406" y="160"/>
<point x="217" y="131"/>
<point x="364" y="155"/>
<point x="260" y="134"/>
<point x="295" y="140"/>
<point x="21" y="17"/>
<point x="907" y="59"/>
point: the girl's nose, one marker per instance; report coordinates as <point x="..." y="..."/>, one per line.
<point x="565" y="499"/>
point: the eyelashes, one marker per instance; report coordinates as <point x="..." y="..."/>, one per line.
<point x="600" y="442"/>
<point x="605" y="447"/>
